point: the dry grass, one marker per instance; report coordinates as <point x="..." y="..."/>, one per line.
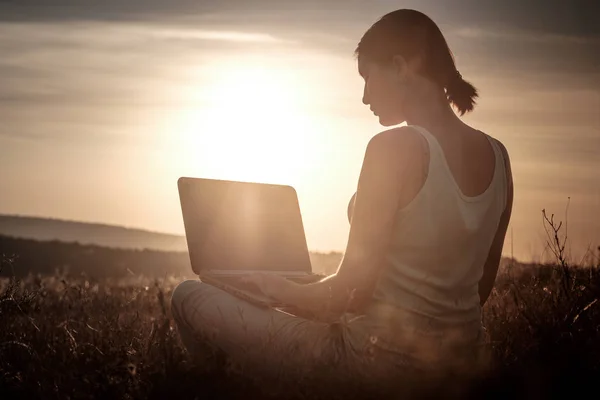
<point x="77" y="337"/>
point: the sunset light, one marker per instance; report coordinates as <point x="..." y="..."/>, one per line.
<point x="108" y="104"/>
<point x="254" y="125"/>
<point x="299" y="199"/>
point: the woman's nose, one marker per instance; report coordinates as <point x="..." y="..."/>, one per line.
<point x="365" y="98"/>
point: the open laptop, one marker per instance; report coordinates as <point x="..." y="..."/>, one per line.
<point x="234" y="228"/>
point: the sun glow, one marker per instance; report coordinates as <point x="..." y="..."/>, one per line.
<point x="252" y="123"/>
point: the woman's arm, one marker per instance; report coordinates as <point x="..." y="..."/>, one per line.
<point x="490" y="269"/>
<point x="389" y="159"/>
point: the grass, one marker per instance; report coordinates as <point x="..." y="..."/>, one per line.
<point x="79" y="337"/>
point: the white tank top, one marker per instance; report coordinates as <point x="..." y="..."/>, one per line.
<point x="441" y="242"/>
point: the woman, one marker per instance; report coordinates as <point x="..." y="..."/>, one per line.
<point x="428" y="223"/>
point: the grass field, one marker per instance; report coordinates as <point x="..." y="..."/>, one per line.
<point x="71" y="337"/>
<point x="78" y="338"/>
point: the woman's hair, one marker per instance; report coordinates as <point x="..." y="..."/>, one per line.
<point x="410" y="33"/>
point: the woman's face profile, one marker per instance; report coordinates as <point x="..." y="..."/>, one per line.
<point x="383" y="91"/>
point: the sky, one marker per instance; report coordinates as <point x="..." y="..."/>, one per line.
<point x="103" y="105"/>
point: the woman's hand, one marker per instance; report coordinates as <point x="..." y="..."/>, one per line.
<point x="270" y="285"/>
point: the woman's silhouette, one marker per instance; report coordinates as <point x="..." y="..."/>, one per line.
<point x="428" y="223"/>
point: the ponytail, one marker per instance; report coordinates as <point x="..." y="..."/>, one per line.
<point x="460" y="93"/>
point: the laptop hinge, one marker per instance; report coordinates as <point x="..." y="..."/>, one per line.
<point x="245" y="272"/>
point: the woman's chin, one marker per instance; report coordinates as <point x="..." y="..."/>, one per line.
<point x="388" y="121"/>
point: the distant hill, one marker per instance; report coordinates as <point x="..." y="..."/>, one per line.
<point x="89" y="233"/>
<point x="21" y="256"/>
<point x="117" y="237"/>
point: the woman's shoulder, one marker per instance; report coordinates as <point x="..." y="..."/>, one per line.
<point x="498" y="143"/>
<point x="404" y="138"/>
<point x="399" y="131"/>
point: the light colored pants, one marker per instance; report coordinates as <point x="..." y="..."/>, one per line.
<point x="267" y="340"/>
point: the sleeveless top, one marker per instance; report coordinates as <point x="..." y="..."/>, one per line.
<point x="440" y="244"/>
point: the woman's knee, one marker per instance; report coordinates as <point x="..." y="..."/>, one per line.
<point x="181" y="292"/>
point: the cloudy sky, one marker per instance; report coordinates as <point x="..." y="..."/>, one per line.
<point x="104" y="104"/>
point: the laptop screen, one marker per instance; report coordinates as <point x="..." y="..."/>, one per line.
<point x="242" y="226"/>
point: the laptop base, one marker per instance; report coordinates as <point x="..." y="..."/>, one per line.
<point x="232" y="284"/>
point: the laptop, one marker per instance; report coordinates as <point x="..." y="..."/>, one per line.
<point x="234" y="228"/>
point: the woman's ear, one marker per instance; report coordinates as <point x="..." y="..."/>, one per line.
<point x="400" y="66"/>
<point x="403" y="68"/>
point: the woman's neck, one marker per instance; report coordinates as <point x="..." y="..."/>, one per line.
<point x="433" y="112"/>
